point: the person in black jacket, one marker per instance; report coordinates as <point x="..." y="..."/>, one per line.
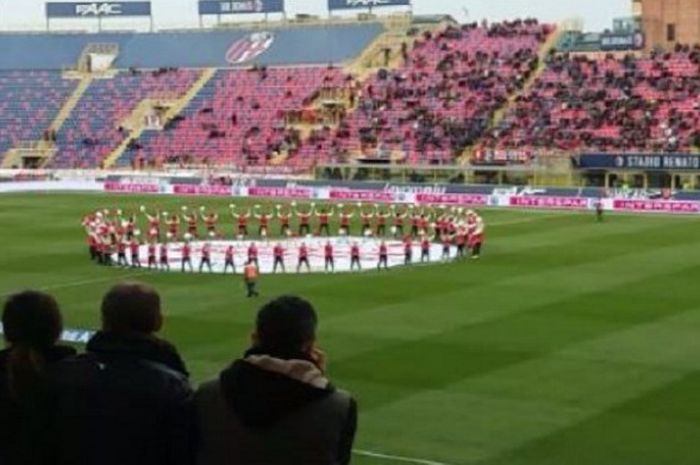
<point x="126" y="401"/>
<point x="275" y="406"/>
<point x="32" y="324"/>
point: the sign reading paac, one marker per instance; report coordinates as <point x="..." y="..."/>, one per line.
<point x="96" y="9"/>
<point x="99" y="9"/>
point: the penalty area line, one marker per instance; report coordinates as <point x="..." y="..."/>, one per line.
<point x="395" y="458"/>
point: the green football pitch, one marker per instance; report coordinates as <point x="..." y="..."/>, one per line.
<point x="570" y="342"/>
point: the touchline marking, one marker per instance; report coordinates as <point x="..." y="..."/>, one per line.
<point x="85" y="282"/>
<point x="396" y="458"/>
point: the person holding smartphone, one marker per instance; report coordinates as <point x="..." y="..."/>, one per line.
<point x="275" y="405"/>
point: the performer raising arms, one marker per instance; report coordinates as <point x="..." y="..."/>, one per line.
<point x="382" y="218"/>
<point x="345" y="217"/>
<point x="304" y="219"/>
<point x="324" y="219"/>
<point x="366" y="218"/>
<point x="451" y="225"/>
<point x="424" y="222"/>
<point x="415" y="221"/>
<point x="129" y="225"/>
<point x="191" y="220"/>
<point x="263" y="218"/>
<point x="442" y="220"/>
<point x="153" y="224"/>
<point x="242" y="220"/>
<point x="284" y="217"/>
<point x="399" y="221"/>
<point x="210" y="220"/>
<point x="173" y="223"/>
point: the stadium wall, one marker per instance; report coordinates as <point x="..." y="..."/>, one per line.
<point x="322" y="44"/>
<point x="670" y="22"/>
<point x="514" y="198"/>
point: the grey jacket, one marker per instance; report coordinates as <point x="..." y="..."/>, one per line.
<point x="268" y="411"/>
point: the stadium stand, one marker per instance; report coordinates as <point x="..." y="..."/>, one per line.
<point x="441" y="99"/>
<point x="239" y="117"/>
<point x="446" y="92"/>
<point x="95" y="128"/>
<point x="627" y="104"/>
<point x="28" y="103"/>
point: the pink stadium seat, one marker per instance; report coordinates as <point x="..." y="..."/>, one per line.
<point x="441" y="99"/>
<point x="93" y="130"/>
<point x="623" y="105"/>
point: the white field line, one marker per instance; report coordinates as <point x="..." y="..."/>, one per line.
<point x="396" y="458"/>
<point x="86" y="282"/>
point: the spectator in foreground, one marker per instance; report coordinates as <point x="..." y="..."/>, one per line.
<point x="275" y="406"/>
<point x="126" y="400"/>
<point x="32" y="324"/>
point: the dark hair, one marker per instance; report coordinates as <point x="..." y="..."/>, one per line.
<point x="32" y="324"/>
<point x="131" y="308"/>
<point x="285" y="325"/>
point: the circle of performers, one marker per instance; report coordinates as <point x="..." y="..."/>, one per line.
<point x="115" y="237"/>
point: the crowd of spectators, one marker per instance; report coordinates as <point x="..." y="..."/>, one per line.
<point x="442" y="99"/>
<point x="615" y="104"/>
<point x="128" y="398"/>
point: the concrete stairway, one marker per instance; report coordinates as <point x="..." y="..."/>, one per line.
<point x="136" y="120"/>
<point x="43" y="149"/>
<point x="549" y="44"/>
<point x="71" y="103"/>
